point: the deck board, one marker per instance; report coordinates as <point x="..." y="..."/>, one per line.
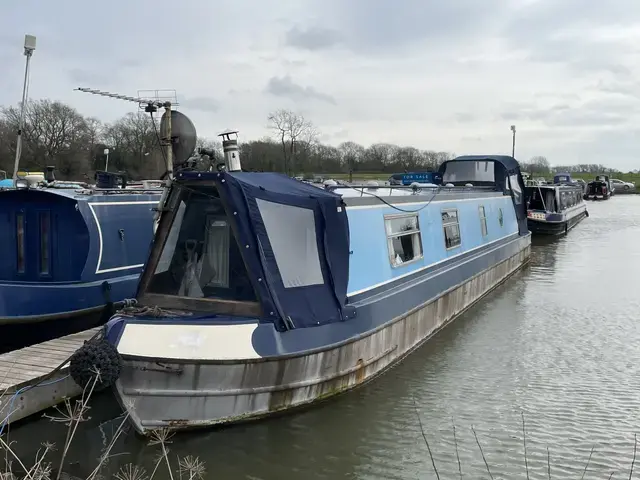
<point x="29" y="366"/>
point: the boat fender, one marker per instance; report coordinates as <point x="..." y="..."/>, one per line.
<point x="96" y="355"/>
<point x="586" y="213"/>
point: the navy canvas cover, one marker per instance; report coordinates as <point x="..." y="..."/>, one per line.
<point x="291" y="306"/>
<point x="504" y="167"/>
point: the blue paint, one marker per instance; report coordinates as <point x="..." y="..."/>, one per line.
<point x="62" y="243"/>
<point x="370" y="265"/>
<point x="373" y="312"/>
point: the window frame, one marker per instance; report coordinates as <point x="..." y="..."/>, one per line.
<point x="20" y="231"/>
<point x="484" y="228"/>
<point x="390" y="236"/>
<point x="41" y="247"/>
<point x="203" y="305"/>
<point x="448" y="224"/>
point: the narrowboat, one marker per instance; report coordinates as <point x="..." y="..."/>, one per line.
<point x="271" y="294"/>
<point x="69" y="252"/>
<point x="599" y="189"/>
<point x="555" y="209"/>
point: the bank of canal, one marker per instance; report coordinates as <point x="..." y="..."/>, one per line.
<point x="560" y="342"/>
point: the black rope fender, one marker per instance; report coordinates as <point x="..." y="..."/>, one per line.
<point x="96" y="357"/>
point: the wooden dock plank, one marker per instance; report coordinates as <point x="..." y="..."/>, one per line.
<point x="30" y="366"/>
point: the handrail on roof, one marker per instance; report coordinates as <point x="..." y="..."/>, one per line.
<point x="412" y="187"/>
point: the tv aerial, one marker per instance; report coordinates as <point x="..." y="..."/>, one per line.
<point x="178" y="134"/>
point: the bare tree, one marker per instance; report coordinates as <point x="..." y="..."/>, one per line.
<point x="350" y="153"/>
<point x="54" y="134"/>
<point x="290" y="128"/>
<point x="539" y="164"/>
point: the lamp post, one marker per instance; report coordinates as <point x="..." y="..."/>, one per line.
<point x="29" y="48"/>
<point x="106" y="163"/>
<point x="513" y="147"/>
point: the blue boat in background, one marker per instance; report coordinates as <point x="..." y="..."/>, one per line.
<point x="4" y="181"/>
<point x="68" y="254"/>
<point x="273" y="294"/>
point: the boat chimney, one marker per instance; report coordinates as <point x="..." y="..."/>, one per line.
<point x="49" y="175"/>
<point x="231" y="150"/>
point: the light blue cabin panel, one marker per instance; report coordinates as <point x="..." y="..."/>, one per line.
<point x="369" y="261"/>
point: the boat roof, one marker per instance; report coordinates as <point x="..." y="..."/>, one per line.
<point x="82" y="195"/>
<point x="508" y="162"/>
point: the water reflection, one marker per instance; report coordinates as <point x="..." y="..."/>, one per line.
<point x="560" y="342"/>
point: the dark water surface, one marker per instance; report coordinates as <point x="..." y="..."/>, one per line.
<point x="559" y="342"/>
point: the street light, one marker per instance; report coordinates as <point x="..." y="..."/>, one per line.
<point x="29" y="48"/>
<point x="106" y="164"/>
<point x="513" y="148"/>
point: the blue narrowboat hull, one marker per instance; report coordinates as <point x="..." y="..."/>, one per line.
<point x="73" y="254"/>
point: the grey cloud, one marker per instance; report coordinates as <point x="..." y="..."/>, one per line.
<point x="312" y="38"/>
<point x="87" y="78"/>
<point x="629" y="89"/>
<point x="380" y="26"/>
<point x="286" y="87"/>
<point x="595" y="113"/>
<point x="203" y="104"/>
<point x="464" y="117"/>
<point x="552" y="31"/>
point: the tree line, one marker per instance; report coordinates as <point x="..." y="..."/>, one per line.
<point x="56" y="134"/>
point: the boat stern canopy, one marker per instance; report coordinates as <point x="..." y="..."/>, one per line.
<point x="288" y="239"/>
<point x="499" y="171"/>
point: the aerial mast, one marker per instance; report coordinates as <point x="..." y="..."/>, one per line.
<point x="150" y="106"/>
<point x="29" y="48"/>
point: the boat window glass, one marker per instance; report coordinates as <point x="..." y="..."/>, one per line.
<point x="563" y="200"/>
<point x="515" y="187"/>
<point x="483" y="220"/>
<point x="451" y="228"/>
<point x="45" y="227"/>
<point x="292" y="235"/>
<point x="469" y="171"/>
<point x="20" y="242"/>
<point x="404" y="240"/>
<point x="201" y="257"/>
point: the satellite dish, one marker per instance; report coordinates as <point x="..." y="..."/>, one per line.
<point x="183" y="136"/>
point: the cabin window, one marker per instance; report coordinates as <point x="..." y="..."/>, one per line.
<point x="45" y="227"/>
<point x="404" y="239"/>
<point x="20" y="260"/>
<point x="201" y="258"/>
<point x="292" y="235"/>
<point x="483" y="220"/>
<point x="563" y="200"/>
<point x="451" y="228"/>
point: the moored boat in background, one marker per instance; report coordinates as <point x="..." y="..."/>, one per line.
<point x="69" y="252"/>
<point x="599" y="189"/>
<point x="555" y="209"/>
<point x="275" y="294"/>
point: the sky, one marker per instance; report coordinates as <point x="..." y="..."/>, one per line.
<point x="439" y="75"/>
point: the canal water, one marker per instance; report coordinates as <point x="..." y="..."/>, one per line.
<point x="557" y="346"/>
